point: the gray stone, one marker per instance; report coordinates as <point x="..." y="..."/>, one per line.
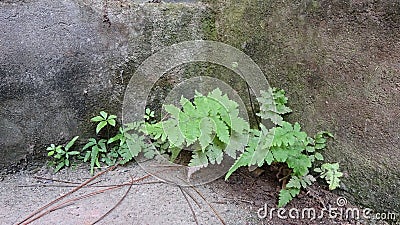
<point x="63" y="61"/>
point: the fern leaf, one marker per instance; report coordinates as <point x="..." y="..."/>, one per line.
<point x="187" y="106"/>
<point x="286" y="195"/>
<point x="331" y="174"/>
<point x="215" y="107"/>
<point x="149" y="153"/>
<point x="262" y="152"/>
<point x="269" y="158"/>
<point x="243" y="160"/>
<point x="271" y="115"/>
<point x="280" y="101"/>
<point x="133" y="145"/>
<point x="206" y="128"/>
<point x="299" y="182"/>
<point x="281" y="154"/>
<point x="294" y="182"/>
<point x="175" y="152"/>
<point x="199" y="158"/>
<point x="228" y="104"/>
<point x="215" y="154"/>
<point x="173" y="132"/>
<point x="202" y="106"/>
<point x="308" y="180"/>
<point x="173" y="110"/>
<point x="190" y="130"/>
<point x="126" y="154"/>
<point x="239" y="125"/>
<point x="319" y="156"/>
<point x="299" y="163"/>
<point x="221" y="130"/>
<point x="237" y="143"/>
<point x="273" y="105"/>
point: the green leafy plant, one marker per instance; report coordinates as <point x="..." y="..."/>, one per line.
<point x="103" y="120"/>
<point x="130" y="144"/>
<point x="96" y="149"/>
<point x="331" y="174"/>
<point x="61" y="154"/>
<point x="121" y="148"/>
<point x="273" y="105"/>
<point x="109" y="149"/>
<point x="286" y="143"/>
<point x="208" y="125"/>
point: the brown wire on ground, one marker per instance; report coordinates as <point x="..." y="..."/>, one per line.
<point x="29" y="219"/>
<point x="34" y="216"/>
<point x="71" y="201"/>
<point x="55" y="180"/>
<point x="190" y="205"/>
<point x="65" y="195"/>
<point x="116" y="205"/>
<point x="88" y="186"/>
<point x="212" y="208"/>
<point x="192" y="197"/>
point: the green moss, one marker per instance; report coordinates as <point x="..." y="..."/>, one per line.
<point x="208" y="27"/>
<point x="365" y="178"/>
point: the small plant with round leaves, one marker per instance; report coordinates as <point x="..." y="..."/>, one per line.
<point x="103" y="120"/>
<point x="110" y="150"/>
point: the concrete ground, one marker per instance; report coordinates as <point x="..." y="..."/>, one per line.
<point x="154" y="203"/>
<point x="150" y="201"/>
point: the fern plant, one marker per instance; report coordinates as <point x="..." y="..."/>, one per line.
<point x="331" y="174"/>
<point x="286" y="143"/>
<point x="209" y="126"/>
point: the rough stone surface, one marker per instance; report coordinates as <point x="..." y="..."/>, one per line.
<point x="339" y="62"/>
<point x="63" y="61"/>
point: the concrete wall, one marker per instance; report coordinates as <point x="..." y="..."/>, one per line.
<point x="61" y="63"/>
<point x="340" y="64"/>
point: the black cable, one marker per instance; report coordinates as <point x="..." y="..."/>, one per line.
<point x="251" y="101"/>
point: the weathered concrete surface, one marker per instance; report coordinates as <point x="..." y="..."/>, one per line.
<point x="340" y="64"/>
<point x="63" y="61"/>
